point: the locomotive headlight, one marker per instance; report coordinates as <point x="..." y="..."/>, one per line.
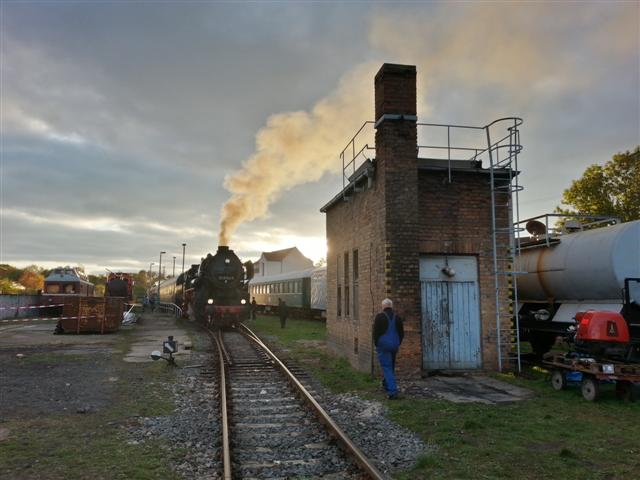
<point x="226" y="260"/>
<point x="210" y="301"/>
<point x="243" y="301"/>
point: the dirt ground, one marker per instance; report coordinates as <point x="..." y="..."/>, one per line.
<point x="43" y="374"/>
<point x="68" y="402"/>
<point x="46" y="381"/>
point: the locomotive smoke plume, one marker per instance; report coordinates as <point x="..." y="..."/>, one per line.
<point x="297" y="147"/>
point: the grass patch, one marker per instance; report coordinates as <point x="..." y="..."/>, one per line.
<point x="80" y="448"/>
<point x="295" y="330"/>
<point x="554" y="435"/>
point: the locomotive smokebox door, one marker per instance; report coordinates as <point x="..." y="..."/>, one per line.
<point x="170" y="346"/>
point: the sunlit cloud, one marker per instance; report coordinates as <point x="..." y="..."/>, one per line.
<point x="59" y="219"/>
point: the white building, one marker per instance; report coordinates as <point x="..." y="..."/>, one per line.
<point x="281" y="261"/>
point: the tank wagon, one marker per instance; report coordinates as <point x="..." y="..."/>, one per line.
<point x="220" y="297"/>
<point x="593" y="269"/>
<point x="304" y="291"/>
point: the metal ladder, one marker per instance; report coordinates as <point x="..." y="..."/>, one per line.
<point x="505" y="219"/>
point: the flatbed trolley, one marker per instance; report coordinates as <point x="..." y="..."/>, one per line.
<point x="590" y="373"/>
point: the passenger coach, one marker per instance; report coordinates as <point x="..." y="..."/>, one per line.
<point x="304" y="291"/>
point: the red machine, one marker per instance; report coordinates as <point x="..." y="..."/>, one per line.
<point x="602" y="334"/>
<point x="601" y="352"/>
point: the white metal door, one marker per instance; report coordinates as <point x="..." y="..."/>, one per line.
<point x="450" y="312"/>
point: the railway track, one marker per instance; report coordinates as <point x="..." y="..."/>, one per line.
<point x="271" y="425"/>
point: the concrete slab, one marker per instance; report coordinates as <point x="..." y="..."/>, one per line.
<point x="151" y="330"/>
<point x="147" y="335"/>
<point x="468" y="389"/>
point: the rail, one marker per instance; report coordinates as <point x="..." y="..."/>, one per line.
<point x="552" y="232"/>
<point x="349" y="166"/>
<point x="333" y="428"/>
<point x="226" y="449"/>
<point x="463" y="143"/>
<point x="171" y="308"/>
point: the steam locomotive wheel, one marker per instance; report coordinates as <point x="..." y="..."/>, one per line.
<point x="558" y="380"/>
<point x="590" y="388"/>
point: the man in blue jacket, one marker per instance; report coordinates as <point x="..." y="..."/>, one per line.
<point x="388" y="333"/>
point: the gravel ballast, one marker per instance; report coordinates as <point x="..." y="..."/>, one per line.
<point x="194" y="424"/>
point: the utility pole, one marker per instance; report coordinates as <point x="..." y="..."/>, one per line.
<point x="174" y="266"/>
<point x="183" y="279"/>
<point x="160" y="273"/>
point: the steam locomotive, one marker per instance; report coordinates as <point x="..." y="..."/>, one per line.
<point x="215" y="291"/>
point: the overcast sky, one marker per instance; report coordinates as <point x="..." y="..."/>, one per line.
<point x="121" y="121"/>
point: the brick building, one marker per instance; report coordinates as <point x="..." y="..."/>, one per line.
<point x="427" y="226"/>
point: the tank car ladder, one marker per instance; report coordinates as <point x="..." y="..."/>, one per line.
<point x="505" y="216"/>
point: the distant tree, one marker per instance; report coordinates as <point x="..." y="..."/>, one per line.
<point x="612" y="189"/>
<point x="141" y="283"/>
<point x="10" y="272"/>
<point x="99" y="290"/>
<point x="9" y="287"/>
<point x="31" y="280"/>
<point x="320" y="263"/>
<point x="34" y="268"/>
<point x="97" y="278"/>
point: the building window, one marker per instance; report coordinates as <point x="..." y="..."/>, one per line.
<point x="356" y="268"/>
<point x="338" y="282"/>
<point x="346" y="300"/>
<point x="346" y="284"/>
<point x="356" y="276"/>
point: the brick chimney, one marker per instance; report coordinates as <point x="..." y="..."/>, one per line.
<point x="397" y="178"/>
<point x="395" y="87"/>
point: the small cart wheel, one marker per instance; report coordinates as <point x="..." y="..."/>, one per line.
<point x="558" y="380"/>
<point x="628" y="391"/>
<point x="590" y="388"/>
<point x="624" y="390"/>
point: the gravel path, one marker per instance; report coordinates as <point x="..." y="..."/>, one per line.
<point x="194" y="425"/>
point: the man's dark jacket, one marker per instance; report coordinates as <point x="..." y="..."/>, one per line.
<point x="381" y="323"/>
